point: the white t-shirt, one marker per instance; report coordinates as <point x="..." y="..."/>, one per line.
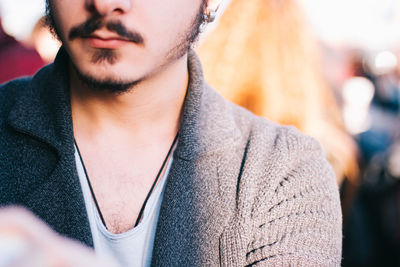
<point x="134" y="247"/>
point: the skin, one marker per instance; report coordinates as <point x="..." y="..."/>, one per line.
<point x="123" y="135"/>
<point x="161" y="27"/>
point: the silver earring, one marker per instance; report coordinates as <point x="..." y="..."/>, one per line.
<point x="209" y="16"/>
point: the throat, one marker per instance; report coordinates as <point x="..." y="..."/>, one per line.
<point x="157" y="98"/>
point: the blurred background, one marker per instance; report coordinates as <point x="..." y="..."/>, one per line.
<point x="330" y="68"/>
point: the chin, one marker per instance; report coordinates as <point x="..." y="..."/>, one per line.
<point x="115" y="85"/>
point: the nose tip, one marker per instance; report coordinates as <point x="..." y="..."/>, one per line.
<point x="109" y="7"/>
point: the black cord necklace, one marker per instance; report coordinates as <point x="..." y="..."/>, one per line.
<point x="148" y="194"/>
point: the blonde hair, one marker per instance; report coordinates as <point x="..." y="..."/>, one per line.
<point x="263" y="56"/>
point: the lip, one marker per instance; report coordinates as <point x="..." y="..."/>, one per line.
<point x="110" y="42"/>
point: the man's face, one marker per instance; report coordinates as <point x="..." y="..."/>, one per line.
<point x="115" y="44"/>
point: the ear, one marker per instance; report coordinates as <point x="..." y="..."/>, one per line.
<point x="214" y="4"/>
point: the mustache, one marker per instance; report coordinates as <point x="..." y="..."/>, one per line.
<point x="87" y="28"/>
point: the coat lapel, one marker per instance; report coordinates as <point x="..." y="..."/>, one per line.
<point x="58" y="201"/>
<point x="199" y="198"/>
<point x="51" y="189"/>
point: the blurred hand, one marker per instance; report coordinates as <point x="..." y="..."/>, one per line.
<point x="26" y="241"/>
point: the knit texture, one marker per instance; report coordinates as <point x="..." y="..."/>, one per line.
<point x="241" y="191"/>
<point x="264" y="191"/>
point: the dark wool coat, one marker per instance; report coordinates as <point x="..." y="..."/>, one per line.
<point x="241" y="190"/>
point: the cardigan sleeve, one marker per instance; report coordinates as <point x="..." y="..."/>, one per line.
<point x="296" y="215"/>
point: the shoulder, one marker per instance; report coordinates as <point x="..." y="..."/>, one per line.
<point x="13" y="86"/>
<point x="264" y="135"/>
<point x="281" y="156"/>
<point x="266" y="138"/>
<point x="9" y="93"/>
<point x="17" y="89"/>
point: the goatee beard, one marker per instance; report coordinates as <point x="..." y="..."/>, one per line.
<point x="106" y="85"/>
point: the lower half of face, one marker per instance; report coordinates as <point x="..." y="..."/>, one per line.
<point x="118" y="51"/>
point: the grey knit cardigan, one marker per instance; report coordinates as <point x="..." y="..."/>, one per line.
<point x="242" y="191"/>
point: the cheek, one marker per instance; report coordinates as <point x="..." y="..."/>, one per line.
<point x="170" y="21"/>
<point x="66" y="14"/>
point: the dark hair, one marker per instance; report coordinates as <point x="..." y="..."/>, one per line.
<point x="50" y="22"/>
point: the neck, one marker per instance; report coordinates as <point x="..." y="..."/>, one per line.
<point x="152" y="106"/>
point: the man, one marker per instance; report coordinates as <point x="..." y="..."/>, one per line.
<point x="121" y="145"/>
